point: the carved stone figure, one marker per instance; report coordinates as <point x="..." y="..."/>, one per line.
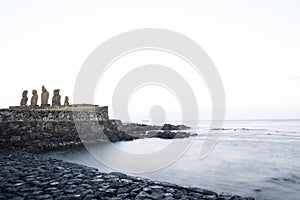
<point x="44" y="96"/>
<point x="34" y="98"/>
<point x="24" y="98"/>
<point x="56" y="98"/>
<point x="66" y="101"/>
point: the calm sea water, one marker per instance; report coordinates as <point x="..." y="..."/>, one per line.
<point x="259" y="158"/>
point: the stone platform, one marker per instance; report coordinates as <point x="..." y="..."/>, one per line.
<point x="57" y="126"/>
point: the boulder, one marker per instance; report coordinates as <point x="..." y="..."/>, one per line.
<point x="170" y="127"/>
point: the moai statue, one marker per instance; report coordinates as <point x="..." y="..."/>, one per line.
<point x="24" y="98"/>
<point x="56" y="98"/>
<point x="34" y="98"/>
<point x="44" y="97"/>
<point x="66" y="101"/>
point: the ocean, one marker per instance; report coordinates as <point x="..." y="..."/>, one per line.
<point x="259" y="158"/>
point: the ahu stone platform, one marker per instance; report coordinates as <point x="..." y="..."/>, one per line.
<point x="48" y="127"/>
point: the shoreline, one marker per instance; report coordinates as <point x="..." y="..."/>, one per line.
<point x="25" y="132"/>
<point x="27" y="175"/>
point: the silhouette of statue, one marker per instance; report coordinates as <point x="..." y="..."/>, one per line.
<point x="44" y="96"/>
<point x="24" y="98"/>
<point x="34" y="98"/>
<point x="66" y="103"/>
<point x="56" y="98"/>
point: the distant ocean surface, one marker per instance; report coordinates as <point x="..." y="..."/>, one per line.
<point x="259" y="158"/>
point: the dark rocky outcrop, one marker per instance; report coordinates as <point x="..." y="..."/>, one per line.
<point x="153" y="131"/>
<point x="113" y="132"/>
<point x="170" y="127"/>
<point x="138" y="128"/>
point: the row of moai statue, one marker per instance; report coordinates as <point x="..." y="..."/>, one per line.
<point x="44" y="98"/>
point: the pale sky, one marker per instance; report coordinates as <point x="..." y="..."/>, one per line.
<point x="255" y="46"/>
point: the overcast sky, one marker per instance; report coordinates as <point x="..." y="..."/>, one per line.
<point x="255" y="46"/>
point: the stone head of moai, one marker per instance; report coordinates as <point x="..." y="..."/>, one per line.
<point x="56" y="92"/>
<point x="34" y="98"/>
<point x="56" y="98"/>
<point x="66" y="103"/>
<point x="44" y="96"/>
<point x="44" y="89"/>
<point x="24" y="98"/>
<point x="24" y="93"/>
